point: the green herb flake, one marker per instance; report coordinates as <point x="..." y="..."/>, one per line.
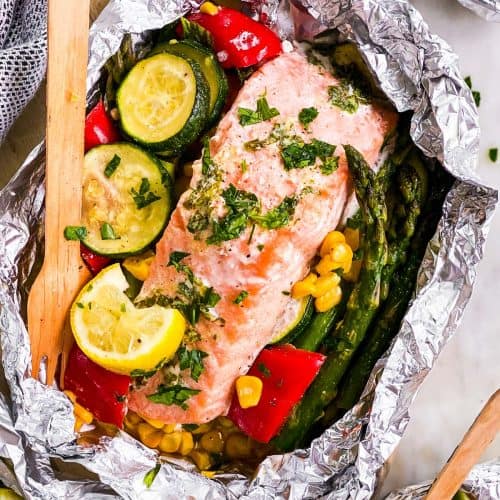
<point x="211" y="298"/>
<point x="123" y="308"/>
<point x="346" y="97"/>
<point x="493" y="154"/>
<point x="264" y="370"/>
<point x="173" y="395"/>
<point x="285" y="292"/>
<point x="107" y="232"/>
<point x="260" y="247"/>
<point x="151" y="475"/>
<point x="190" y="427"/>
<point x="112" y="166"/>
<point x="192" y="360"/>
<point x="307" y="116"/>
<point x="278" y="216"/>
<point x="89" y="305"/>
<point x="176" y="257"/>
<point x="144" y="196"/>
<point x="75" y="233"/>
<point x="240" y="297"/>
<point x="475" y="93"/>
<point x="80" y="305"/>
<point x="263" y="113"/>
<point x="244" y="166"/>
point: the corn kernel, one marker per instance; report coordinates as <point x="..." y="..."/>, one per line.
<point x="326" y="265"/>
<point x="208" y="473"/>
<point x="201" y="459"/>
<point x="83" y="414"/>
<point x="148" y="435"/>
<point x="325" y="283"/>
<point x="212" y="442"/>
<point x="353" y="274"/>
<point x="341" y="253"/>
<point x="168" y="428"/>
<point x="202" y="428"/>
<point x="187" y="443"/>
<point x="352" y="238"/>
<point x="305" y="287"/>
<point x="238" y="446"/>
<point x="71" y="396"/>
<point x="139" y="266"/>
<point x="170" y="442"/>
<point x="157" y="424"/>
<point x="209" y="8"/>
<point x="249" y="390"/>
<point x="331" y="241"/>
<point x="78" y="424"/>
<point x="328" y="300"/>
<point x="133" y="418"/>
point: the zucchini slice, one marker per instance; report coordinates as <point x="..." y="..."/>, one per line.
<point x="164" y="102"/>
<point x="125" y="208"/>
<point x="211" y="68"/>
<point x="297" y="316"/>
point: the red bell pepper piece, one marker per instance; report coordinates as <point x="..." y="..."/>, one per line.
<point x="99" y="128"/>
<point x="103" y="393"/>
<point x="239" y="41"/>
<point x="286" y="373"/>
<point x="94" y="262"/>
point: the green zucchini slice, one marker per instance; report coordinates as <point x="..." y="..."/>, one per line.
<point x="126" y="207"/>
<point x="163" y="102"/>
<point x="297" y="316"/>
<point x="211" y="68"/>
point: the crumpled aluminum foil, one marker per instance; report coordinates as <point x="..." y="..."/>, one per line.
<point x="483" y="482"/>
<point x="419" y="72"/>
<point x="489" y="9"/>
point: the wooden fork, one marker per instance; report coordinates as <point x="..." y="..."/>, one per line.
<point x="63" y="273"/>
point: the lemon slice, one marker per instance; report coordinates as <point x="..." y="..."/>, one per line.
<point x="115" y="334"/>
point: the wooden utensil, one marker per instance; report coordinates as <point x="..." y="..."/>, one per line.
<point x="478" y="437"/>
<point x="62" y="273"/>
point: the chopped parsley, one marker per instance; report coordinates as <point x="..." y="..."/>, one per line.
<point x="149" y="373"/>
<point x="240" y="297"/>
<point x="123" y="308"/>
<point x="75" y="233"/>
<point x="151" y="475"/>
<point x="260" y="247"/>
<point x="279" y="216"/>
<point x="307" y="115"/>
<point x="192" y="360"/>
<point x="299" y="154"/>
<point x="244" y="166"/>
<point x="261" y="114"/>
<point x="346" y="96"/>
<point x="112" y="166"/>
<point x="80" y="305"/>
<point x="107" y="232"/>
<point x="264" y="370"/>
<point x="176" y="257"/>
<point x="144" y="196"/>
<point x="493" y="154"/>
<point x="475" y="93"/>
<point x="173" y="395"/>
<point x="196" y="32"/>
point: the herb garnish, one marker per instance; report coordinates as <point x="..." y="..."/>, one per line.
<point x="261" y="114"/>
<point x="260" y="247"/>
<point x="75" y="233"/>
<point x="80" y="305"/>
<point x="196" y="32"/>
<point x="475" y="93"/>
<point x="144" y="196"/>
<point x="244" y="166"/>
<point x="173" y="395"/>
<point x="240" y="297"/>
<point x="307" y="115"/>
<point x="192" y="360"/>
<point x="147" y="374"/>
<point x="112" y="166"/>
<point x="151" y="475"/>
<point x="299" y="154"/>
<point x="107" y="232"/>
<point x="493" y="154"/>
<point x="264" y="370"/>
<point x="346" y="96"/>
<point x="279" y="216"/>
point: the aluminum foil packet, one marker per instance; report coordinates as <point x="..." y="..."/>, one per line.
<point x="418" y="72"/>
<point x="489" y="9"/>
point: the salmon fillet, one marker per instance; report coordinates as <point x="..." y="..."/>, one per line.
<point x="262" y="262"/>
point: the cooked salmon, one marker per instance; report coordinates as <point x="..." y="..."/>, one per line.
<point x="261" y="262"/>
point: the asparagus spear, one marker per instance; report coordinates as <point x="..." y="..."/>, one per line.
<point x="389" y="319"/>
<point x="361" y="307"/>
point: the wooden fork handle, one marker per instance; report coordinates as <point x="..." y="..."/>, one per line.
<point x="476" y="440"/>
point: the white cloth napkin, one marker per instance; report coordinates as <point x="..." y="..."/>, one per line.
<point x="23" y="56"/>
